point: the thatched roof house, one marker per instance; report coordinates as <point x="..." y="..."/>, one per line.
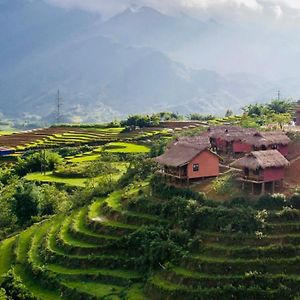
<point x="235" y="139"/>
<point x="183" y="150"/>
<point x="262" y="167"/>
<point x="189" y="158"/>
<point x="262" y="160"/>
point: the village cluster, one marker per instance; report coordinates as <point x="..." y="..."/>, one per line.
<point x="258" y="158"/>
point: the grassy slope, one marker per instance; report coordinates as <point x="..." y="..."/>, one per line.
<point x="120" y="147"/>
<point x="6" y="255"/>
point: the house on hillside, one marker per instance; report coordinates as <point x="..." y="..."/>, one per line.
<point x="235" y="140"/>
<point x="188" y="158"/>
<point x="264" y="168"/>
<point x="268" y="140"/>
<point x="229" y="139"/>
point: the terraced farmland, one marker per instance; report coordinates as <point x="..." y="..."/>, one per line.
<point x="237" y="266"/>
<point x="71" y="136"/>
<point x="72" y="257"/>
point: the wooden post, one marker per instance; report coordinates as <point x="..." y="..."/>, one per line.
<point x="252" y="188"/>
<point x="263" y="190"/>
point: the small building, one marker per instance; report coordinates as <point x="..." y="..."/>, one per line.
<point x="6" y="151"/>
<point x="262" y="168"/>
<point x="236" y="140"/>
<point x="189" y="158"/>
<point x="230" y="139"/>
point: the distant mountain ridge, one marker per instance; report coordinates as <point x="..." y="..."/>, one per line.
<point x="106" y="70"/>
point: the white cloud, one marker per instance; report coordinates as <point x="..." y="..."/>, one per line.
<point x="219" y="7"/>
<point x="278" y="11"/>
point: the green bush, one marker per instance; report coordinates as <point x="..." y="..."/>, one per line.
<point x="276" y="201"/>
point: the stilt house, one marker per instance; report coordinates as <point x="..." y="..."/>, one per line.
<point x="235" y="139"/>
<point x="189" y="158"/>
<point x="261" y="168"/>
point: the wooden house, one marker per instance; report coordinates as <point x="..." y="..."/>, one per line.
<point x="235" y="140"/>
<point x="188" y="159"/>
<point x="229" y="139"/>
<point x="262" y="167"/>
<point x="268" y="140"/>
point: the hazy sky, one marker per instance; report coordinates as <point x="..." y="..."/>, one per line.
<point x="240" y="8"/>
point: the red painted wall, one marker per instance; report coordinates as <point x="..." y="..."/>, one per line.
<point x="208" y="165"/>
<point x="273" y="174"/>
<point x="284" y="150"/>
<point x="240" y="147"/>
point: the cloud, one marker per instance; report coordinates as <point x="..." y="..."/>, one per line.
<point x="194" y="7"/>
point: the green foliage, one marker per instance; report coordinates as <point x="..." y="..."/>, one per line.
<point x="25" y="202"/>
<point x="83" y="170"/>
<point x="140" y="168"/>
<point x="141" y="121"/>
<point x="3" y="295"/>
<point x="280" y="106"/>
<point x="276" y="201"/>
<point x="161" y="188"/>
<point x="153" y="246"/>
<point x="14" y="287"/>
<point x="228" y="113"/>
<point x="158" y="148"/>
<point x="201" y="117"/>
<point x="223" y="184"/>
<point x="43" y="160"/>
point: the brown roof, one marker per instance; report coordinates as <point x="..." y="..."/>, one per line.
<point x="183" y="150"/>
<point x="230" y="133"/>
<point x="276" y="137"/>
<point x="262" y="160"/>
<point x="249" y="135"/>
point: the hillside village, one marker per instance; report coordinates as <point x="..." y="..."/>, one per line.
<point x="151" y="208"/>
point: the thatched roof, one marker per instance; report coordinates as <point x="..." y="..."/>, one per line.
<point x="261" y="160"/>
<point x="249" y="135"/>
<point x="183" y="150"/>
<point x="230" y="133"/>
<point x="276" y="137"/>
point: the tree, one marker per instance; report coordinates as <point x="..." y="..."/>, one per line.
<point x="254" y="110"/>
<point x="228" y="113"/>
<point x="280" y="106"/>
<point x="281" y="119"/>
<point x="25" y="202"/>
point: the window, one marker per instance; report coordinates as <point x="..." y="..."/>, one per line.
<point x="195" y="167"/>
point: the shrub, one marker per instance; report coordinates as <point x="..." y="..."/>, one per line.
<point x="14" y="287"/>
<point x="223" y="184"/>
<point x="35" y="162"/>
<point x="295" y="200"/>
<point x="275" y="201"/>
<point x="153" y="246"/>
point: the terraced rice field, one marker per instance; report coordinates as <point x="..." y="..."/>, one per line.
<point x="71" y="136"/>
<point x="49" y="177"/>
<point x="235" y="266"/>
<point x="71" y="258"/>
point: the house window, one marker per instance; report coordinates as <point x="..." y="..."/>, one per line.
<point x="195" y="167"/>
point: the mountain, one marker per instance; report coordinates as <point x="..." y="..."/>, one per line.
<point x="106" y="70"/>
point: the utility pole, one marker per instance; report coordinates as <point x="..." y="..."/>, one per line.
<point x="279" y="96"/>
<point x="58" y="107"/>
<point x="43" y="161"/>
